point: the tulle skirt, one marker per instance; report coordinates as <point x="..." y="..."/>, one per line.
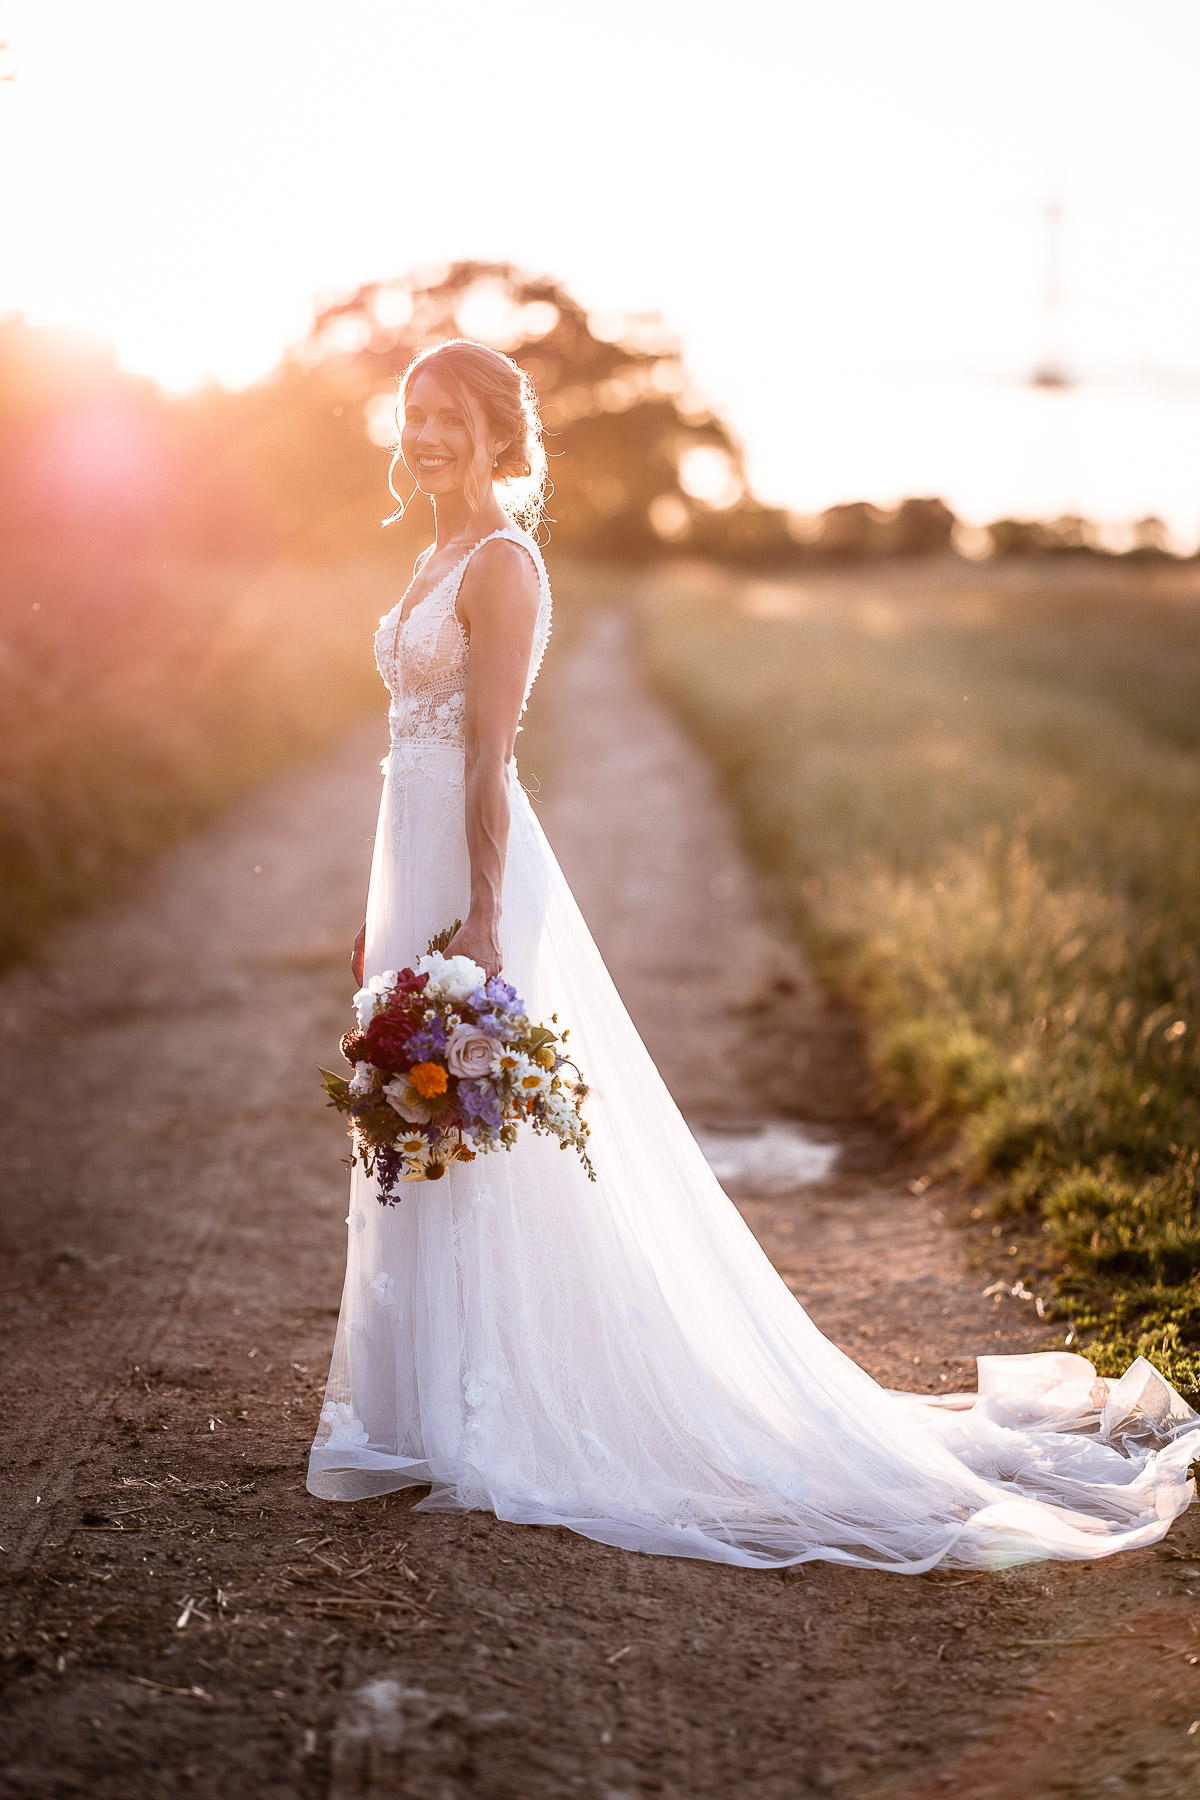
<point x="622" y="1359"/>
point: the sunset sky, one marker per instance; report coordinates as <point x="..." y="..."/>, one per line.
<point x="839" y="208"/>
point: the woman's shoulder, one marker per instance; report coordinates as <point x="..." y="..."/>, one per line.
<point x="510" y="554"/>
<point x="504" y="575"/>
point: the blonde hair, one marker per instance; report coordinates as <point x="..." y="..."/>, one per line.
<point x="505" y="396"/>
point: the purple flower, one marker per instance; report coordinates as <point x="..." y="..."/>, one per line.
<point x="429" y="1041"/>
<point x="494" y="1023"/>
<point x="389" y="1172"/>
<point x="478" y="1104"/>
<point x="496" y="992"/>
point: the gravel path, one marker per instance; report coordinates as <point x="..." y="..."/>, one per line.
<point x="180" y="1617"/>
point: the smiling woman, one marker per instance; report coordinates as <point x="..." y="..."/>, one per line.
<point x="618" y="1356"/>
<point x="447" y="396"/>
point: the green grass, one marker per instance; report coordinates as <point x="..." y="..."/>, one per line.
<point x="978" y="791"/>
<point x="139" y="698"/>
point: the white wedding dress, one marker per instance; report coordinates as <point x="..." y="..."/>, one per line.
<point x="621" y="1358"/>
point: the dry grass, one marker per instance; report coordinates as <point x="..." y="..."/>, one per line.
<point x="979" y="791"/>
<point x="138" y="698"/>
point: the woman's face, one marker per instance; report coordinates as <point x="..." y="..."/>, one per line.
<point x="438" y="441"/>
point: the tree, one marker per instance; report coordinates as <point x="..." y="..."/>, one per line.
<point x="619" y="420"/>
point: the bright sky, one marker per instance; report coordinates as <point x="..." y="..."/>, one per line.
<point x="840" y="208"/>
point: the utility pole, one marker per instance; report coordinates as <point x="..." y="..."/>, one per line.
<point x="1050" y="372"/>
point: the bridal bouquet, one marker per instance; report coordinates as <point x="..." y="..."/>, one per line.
<point x="447" y="1065"/>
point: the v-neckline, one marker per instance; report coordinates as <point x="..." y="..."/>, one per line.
<point x="402" y="618"/>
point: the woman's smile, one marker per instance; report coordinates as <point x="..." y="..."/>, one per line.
<point x="437" y="439"/>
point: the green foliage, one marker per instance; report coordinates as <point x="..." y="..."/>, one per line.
<point x="135" y="699"/>
<point x="941" y="1071"/>
<point x="99" y="463"/>
<point x="337" y="1087"/>
<point x="977" y="790"/>
<point x="1111" y="1226"/>
<point x="1159" y="1323"/>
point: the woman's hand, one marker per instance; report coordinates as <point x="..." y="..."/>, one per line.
<point x="358" y="954"/>
<point x="480" y="942"/>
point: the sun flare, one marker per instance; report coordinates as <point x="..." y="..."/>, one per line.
<point x="855" y="264"/>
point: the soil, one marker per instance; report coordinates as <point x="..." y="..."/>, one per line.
<point x="181" y="1617"/>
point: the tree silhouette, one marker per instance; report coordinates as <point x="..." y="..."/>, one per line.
<point x="618" y="418"/>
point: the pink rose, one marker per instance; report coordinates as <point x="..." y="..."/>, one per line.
<point x="470" y="1052"/>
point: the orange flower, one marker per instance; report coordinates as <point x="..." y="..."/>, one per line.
<point x="429" y="1079"/>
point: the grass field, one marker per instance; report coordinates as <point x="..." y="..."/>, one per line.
<point x="978" y="790"/>
<point x="139" y="698"/>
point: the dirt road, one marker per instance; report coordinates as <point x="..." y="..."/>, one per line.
<point x="181" y="1618"/>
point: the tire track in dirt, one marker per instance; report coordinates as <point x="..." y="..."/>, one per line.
<point x="174" y="1240"/>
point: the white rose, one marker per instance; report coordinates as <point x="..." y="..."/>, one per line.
<point x="454" y="978"/>
<point x="369" y="999"/>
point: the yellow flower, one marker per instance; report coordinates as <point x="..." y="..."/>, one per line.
<point x="429" y="1079"/>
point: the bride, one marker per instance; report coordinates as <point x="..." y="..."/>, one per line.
<point x="621" y="1358"/>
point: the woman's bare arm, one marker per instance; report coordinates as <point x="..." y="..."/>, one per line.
<point x="498" y="603"/>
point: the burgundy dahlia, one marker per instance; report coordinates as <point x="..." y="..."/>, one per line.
<point x="385" y="1041"/>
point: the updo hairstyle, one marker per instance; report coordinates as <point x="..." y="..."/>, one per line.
<point x="504" y="394"/>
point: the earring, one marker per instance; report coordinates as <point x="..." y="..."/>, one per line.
<point x="495" y="462"/>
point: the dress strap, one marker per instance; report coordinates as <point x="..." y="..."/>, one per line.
<point x="541" y="635"/>
<point x="454" y="579"/>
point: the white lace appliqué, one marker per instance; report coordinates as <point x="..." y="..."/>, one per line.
<point x="344" y="1427"/>
<point x="423" y="660"/>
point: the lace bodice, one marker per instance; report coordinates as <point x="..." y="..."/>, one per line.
<point x="423" y="659"/>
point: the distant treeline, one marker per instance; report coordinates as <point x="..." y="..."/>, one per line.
<point x="641" y="467"/>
